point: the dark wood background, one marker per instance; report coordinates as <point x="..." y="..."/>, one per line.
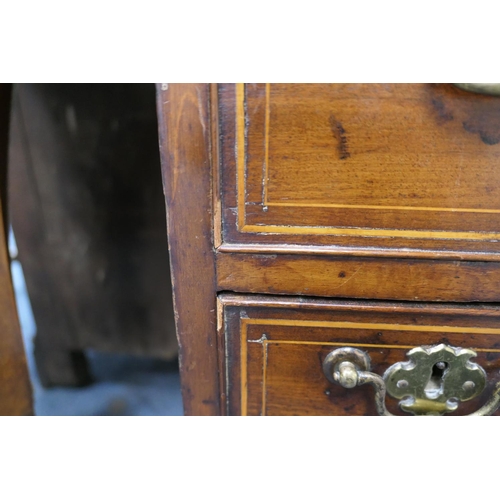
<point x="88" y="213"/>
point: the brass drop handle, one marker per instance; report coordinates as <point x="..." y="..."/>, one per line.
<point x="480" y="88"/>
<point x="433" y="382"/>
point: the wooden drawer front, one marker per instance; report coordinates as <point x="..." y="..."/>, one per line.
<point x="411" y="166"/>
<point x="275" y="349"/>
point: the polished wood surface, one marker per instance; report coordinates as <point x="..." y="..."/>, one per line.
<point x="395" y="166"/>
<point x="185" y="134"/>
<point x="15" y="387"/>
<point x="277" y="347"/>
<point x="361" y="277"/>
<point x="374" y="192"/>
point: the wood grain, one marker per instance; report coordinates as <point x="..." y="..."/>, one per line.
<point x="15" y="387"/>
<point x="375" y="166"/>
<point x="185" y="132"/>
<point x="373" y="192"/>
<point x="277" y="346"/>
<point x="366" y="278"/>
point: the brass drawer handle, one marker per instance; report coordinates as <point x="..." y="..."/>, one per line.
<point x="480" y="88"/>
<point x="433" y="382"/>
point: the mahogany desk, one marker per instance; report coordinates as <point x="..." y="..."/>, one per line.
<point x="333" y="242"/>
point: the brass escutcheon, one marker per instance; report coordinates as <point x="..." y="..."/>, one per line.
<point x="434" y="381"/>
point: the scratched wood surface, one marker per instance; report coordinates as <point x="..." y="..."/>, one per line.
<point x="15" y="387"/>
<point x="185" y="134"/>
<point x="409" y="167"/>
<point x="277" y="346"/>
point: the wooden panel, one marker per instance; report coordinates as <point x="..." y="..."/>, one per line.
<point x="276" y="347"/>
<point x="364" y="278"/>
<point x="88" y="212"/>
<point x="185" y="133"/>
<point x="399" y="166"/>
<point x="15" y="387"/>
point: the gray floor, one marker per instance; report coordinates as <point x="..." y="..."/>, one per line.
<point x="125" y="385"/>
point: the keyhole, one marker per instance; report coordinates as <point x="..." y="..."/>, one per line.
<point x="434" y="387"/>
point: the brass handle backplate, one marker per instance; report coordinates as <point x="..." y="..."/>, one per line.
<point x="433" y="382"/>
<point x="480" y="88"/>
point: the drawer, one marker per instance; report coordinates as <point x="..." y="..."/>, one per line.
<point x="275" y="349"/>
<point x="398" y="169"/>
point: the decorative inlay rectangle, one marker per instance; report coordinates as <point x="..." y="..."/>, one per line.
<point x="272" y="217"/>
<point x="245" y="322"/>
